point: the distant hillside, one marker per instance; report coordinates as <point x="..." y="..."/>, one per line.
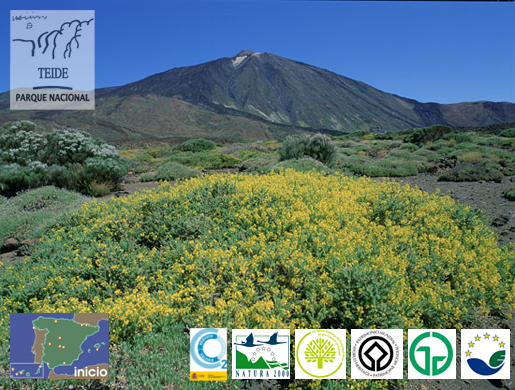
<point x="256" y="95"/>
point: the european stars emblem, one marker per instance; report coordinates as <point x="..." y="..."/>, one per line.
<point x="471" y="344"/>
<point x="501" y="344"/>
<point x="496" y="338"/>
<point x="477" y="338"/>
<point x="468" y="353"/>
<point x="487" y="336"/>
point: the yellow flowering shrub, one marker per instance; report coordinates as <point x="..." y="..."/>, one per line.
<point x="284" y="250"/>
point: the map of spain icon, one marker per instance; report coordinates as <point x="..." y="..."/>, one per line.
<point x="59" y="346"/>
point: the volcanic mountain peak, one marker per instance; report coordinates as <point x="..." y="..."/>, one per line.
<point x="255" y="95"/>
<point x="242" y="56"/>
<point x="245" y="52"/>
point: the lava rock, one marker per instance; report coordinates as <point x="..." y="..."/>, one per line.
<point x="9" y="245"/>
<point x="500" y="221"/>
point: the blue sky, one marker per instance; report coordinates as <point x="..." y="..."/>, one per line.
<point x="444" y="52"/>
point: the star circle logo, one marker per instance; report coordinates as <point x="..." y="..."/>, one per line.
<point x="485" y="353"/>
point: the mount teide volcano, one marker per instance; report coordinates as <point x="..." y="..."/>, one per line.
<point x="252" y="96"/>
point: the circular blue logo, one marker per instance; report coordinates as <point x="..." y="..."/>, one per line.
<point x="200" y="356"/>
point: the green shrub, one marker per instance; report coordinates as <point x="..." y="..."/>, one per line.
<point x="430" y="155"/>
<point x="508" y="133"/>
<point x="142" y="169"/>
<point x="174" y="171"/>
<point x="20" y="144"/>
<point x="294" y="146"/>
<point x="65" y="158"/>
<point x="358" y="134"/>
<point x="409" y="146"/>
<point x="67" y="146"/>
<point x="15" y="127"/>
<point x="197" y="145"/>
<point x="142" y="158"/>
<point x="304" y="164"/>
<point x="498" y="142"/>
<point x="62" y="176"/>
<point x="318" y="146"/>
<point x="426" y="134"/>
<point x="471" y="172"/>
<point x="347" y="152"/>
<point x="32" y="213"/>
<point x="471" y="158"/>
<point x="259" y="162"/>
<point x="146" y="177"/>
<point x="246" y="154"/>
<point x="321" y="148"/>
<point x="509" y="193"/>
<point x="204" y="160"/>
<point x="99" y="189"/>
<point x="96" y="170"/>
<point x="15" y="178"/>
<point x="458" y="137"/>
<point x="403" y="154"/>
<point x="159" y="152"/>
<point x="388" y="135"/>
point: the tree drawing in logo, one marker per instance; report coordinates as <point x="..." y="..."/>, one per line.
<point x="320" y="351"/>
<point x="63" y="38"/>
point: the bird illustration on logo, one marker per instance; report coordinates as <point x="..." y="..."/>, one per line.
<point x="273" y="340"/>
<point x="259" y="353"/>
<point x="249" y="342"/>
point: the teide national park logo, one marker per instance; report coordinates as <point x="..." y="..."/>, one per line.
<point x="261" y="354"/>
<point x="52" y="60"/>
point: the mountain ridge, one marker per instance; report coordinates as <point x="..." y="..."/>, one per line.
<point x="257" y="94"/>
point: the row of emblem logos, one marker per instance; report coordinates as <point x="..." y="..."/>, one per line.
<point x="374" y="354"/>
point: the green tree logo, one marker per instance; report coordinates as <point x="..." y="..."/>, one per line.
<point x="320" y="351"/>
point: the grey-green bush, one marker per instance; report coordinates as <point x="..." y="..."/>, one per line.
<point x="174" y="171"/>
<point x="318" y="146"/>
<point x="66" y="158"/>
